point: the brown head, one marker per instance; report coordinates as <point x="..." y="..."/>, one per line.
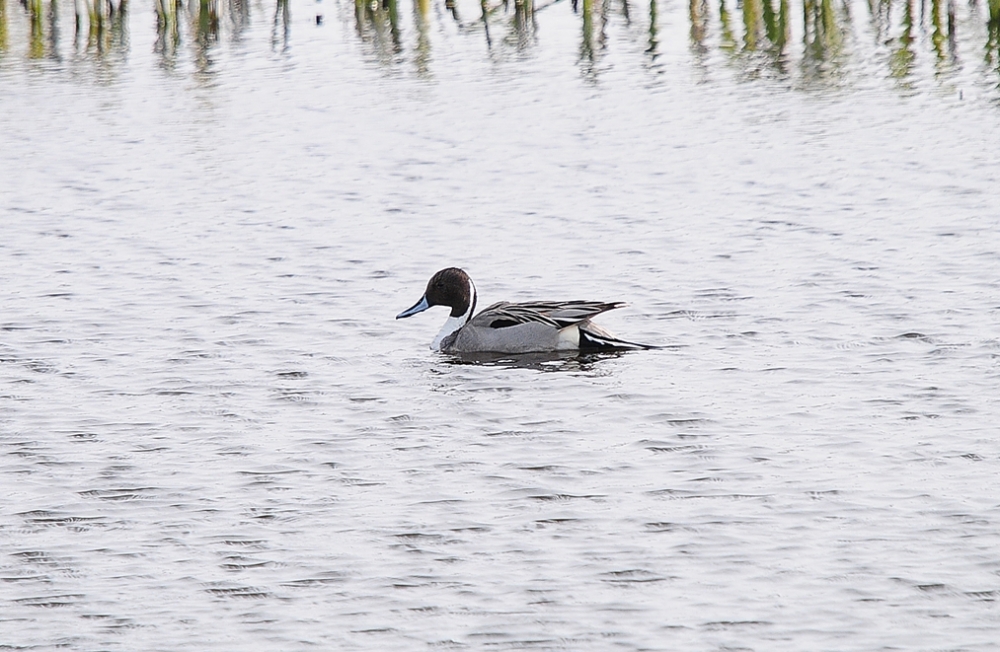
<point x="450" y="287"/>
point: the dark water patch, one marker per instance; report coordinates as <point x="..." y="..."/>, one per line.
<point x="722" y="625"/>
<point x="374" y="630"/>
<point x="84" y="437"/>
<point x="679" y="421"/>
<point x="821" y="495"/>
<point x="239" y="592"/>
<point x="914" y="335"/>
<point x="419" y="537"/>
<point x="36" y="557"/>
<point x="559" y="497"/>
<point x="671" y="493"/>
<point x="666" y="526"/>
<point x="631" y="576"/>
<point x="676" y="494"/>
<point x="295" y="395"/>
<point x="681" y="448"/>
<point x="243" y="543"/>
<point x="51" y="601"/>
<point x="292" y="375"/>
<point x="136" y="493"/>
<point x="323" y="579"/>
<point x="239" y="563"/>
<point x="359" y="482"/>
<point x="55" y="519"/>
<point x="697" y="315"/>
<point x="113" y="624"/>
<point x="25" y="578"/>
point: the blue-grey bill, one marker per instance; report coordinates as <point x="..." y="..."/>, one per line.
<point x="420" y="306"/>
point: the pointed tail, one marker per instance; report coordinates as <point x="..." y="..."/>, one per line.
<point x="592" y="337"/>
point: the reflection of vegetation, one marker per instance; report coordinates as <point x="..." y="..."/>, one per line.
<point x="106" y="25"/>
<point x="101" y="26"/>
<point x="422" y="57"/>
<point x="377" y="24"/>
<point x="824" y="37"/>
<point x="3" y="26"/>
<point x="993" y="35"/>
<point x="810" y="40"/>
<point x="523" y="21"/>
<point x="594" y="14"/>
<point x="168" y="33"/>
<point x="282" y="23"/>
<point x="901" y="63"/>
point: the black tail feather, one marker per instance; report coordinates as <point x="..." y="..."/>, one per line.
<point x="603" y="341"/>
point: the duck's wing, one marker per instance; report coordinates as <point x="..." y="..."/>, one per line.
<point x="556" y="314"/>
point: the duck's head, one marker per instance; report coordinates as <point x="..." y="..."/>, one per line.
<point x="450" y="287"/>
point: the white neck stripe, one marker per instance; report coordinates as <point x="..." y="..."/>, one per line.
<point x="452" y="324"/>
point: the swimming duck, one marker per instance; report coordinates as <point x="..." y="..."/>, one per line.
<point x="513" y="327"/>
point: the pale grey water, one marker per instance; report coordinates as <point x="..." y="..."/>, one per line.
<point x="214" y="436"/>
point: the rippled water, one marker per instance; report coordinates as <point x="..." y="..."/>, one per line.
<point x="215" y="436"/>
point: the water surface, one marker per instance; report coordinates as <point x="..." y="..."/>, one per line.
<point x="214" y="435"/>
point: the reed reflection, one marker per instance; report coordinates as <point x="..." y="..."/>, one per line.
<point x="805" y="41"/>
<point x="992" y="49"/>
<point x="202" y="21"/>
<point x="281" y="26"/>
<point x="422" y="52"/>
<point x="377" y="25"/>
<point x="594" y="20"/>
<point x="101" y="26"/>
<point x="523" y="27"/>
<point x="168" y="33"/>
<point x="3" y="28"/>
<point x="824" y="26"/>
<point x="903" y="56"/>
<point x="652" y="48"/>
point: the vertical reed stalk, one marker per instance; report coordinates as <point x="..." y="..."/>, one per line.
<point x="752" y="22"/>
<point x="728" y="42"/>
<point x="653" y="29"/>
<point x="901" y="60"/>
<point x="422" y="58"/>
<point x="938" y="37"/>
<point x="484" y="6"/>
<point x="3" y="26"/>
<point x="698" y="14"/>
<point x="36" y="44"/>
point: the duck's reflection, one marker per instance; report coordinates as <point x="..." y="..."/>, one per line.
<point x="571" y="361"/>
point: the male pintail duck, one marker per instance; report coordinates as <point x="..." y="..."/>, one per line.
<point x="513" y="327"/>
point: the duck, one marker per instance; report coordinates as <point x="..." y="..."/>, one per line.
<point x="530" y="327"/>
